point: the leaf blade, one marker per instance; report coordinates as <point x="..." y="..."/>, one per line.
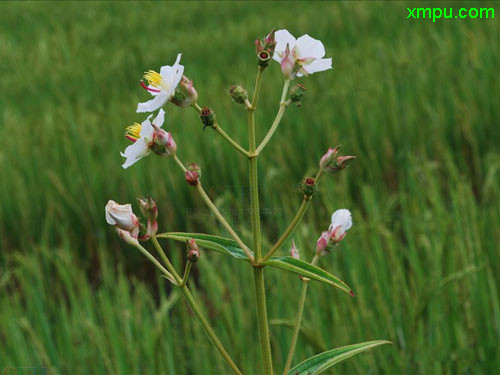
<point x="315" y="365"/>
<point x="308" y="270"/>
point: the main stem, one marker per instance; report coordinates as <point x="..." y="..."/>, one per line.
<point x="298" y="320"/>
<point x="258" y="270"/>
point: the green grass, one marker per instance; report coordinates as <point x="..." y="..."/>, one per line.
<point x="415" y="101"/>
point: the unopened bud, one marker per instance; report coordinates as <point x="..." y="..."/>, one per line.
<point x="148" y="208"/>
<point x="207" y="117"/>
<point x="297" y="93"/>
<point x="343" y="161"/>
<point x="265" y="48"/>
<point x="127" y="237"/>
<point x="288" y="64"/>
<point x="185" y="94"/>
<point x="238" y="93"/>
<point x="329" y="157"/>
<point x="193" y="174"/>
<point x="308" y="186"/>
<point x="294" y="252"/>
<point x="193" y="251"/>
<point x="322" y="243"/>
<point x="163" y="142"/>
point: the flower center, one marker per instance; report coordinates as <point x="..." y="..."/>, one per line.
<point x="133" y="132"/>
<point x="155" y="79"/>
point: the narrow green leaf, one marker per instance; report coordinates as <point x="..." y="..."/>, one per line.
<point x="220" y="244"/>
<point x="323" y="361"/>
<point x="308" y="270"/>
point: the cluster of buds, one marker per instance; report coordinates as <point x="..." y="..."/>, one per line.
<point x="185" y="94"/>
<point x="239" y="94"/>
<point x="193" y="174"/>
<point x="330" y="162"/>
<point x="123" y="219"/>
<point x="297" y="93"/>
<point x="193" y="251"/>
<point x="340" y="224"/>
<point x="150" y="211"/>
<point x="207" y="117"/>
<point x="265" y="48"/>
<point x="308" y="186"/>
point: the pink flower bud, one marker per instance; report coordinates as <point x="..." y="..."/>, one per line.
<point x="288" y="64"/>
<point x="127" y="237"/>
<point x="163" y="142"/>
<point x="121" y="216"/>
<point x="185" y="95"/>
<point x="329" y="157"/>
<point x="193" y="251"/>
<point x="342" y="161"/>
<point x="322" y="243"/>
<point x="294" y="252"/>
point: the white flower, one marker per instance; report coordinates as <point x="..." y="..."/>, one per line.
<point x="341" y="223"/>
<point x="121" y="216"/>
<point x="143" y="136"/>
<point x="302" y="56"/>
<point x="161" y="85"/>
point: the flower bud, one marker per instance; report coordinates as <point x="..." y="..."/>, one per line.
<point x="193" y="174"/>
<point x="308" y="186"/>
<point x="121" y="216"/>
<point x="294" y="252"/>
<point x="193" y="251"/>
<point x="288" y="64"/>
<point x="343" y="161"/>
<point x="265" y="48"/>
<point x="338" y="163"/>
<point x="341" y="223"/>
<point x="163" y="142"/>
<point x="322" y="243"/>
<point x="150" y="211"/>
<point x="238" y="93"/>
<point x="207" y="117"/>
<point x="329" y="157"/>
<point x="127" y="237"/>
<point x="297" y="93"/>
<point x="185" y="94"/>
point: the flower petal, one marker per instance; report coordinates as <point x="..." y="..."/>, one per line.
<point x="310" y="47"/>
<point x="316" y="66"/>
<point x="134" y="152"/>
<point x="160" y="118"/>
<point x="147" y="129"/>
<point x="343" y="219"/>
<point x="153" y="104"/>
<point x="283" y="37"/>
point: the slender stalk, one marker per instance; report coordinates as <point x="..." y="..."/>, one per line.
<point x="224" y="135"/>
<point x="298" y="320"/>
<point x="187" y="270"/>
<point x="260" y="290"/>
<point x="217" y="213"/>
<point x="192" y="303"/>
<point x="295" y="221"/>
<point x="283" y="104"/>
<point x="158" y="265"/>
<point x="231" y="141"/>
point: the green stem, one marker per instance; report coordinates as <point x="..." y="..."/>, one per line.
<point x="291" y="227"/>
<point x="231" y="141"/>
<point x="187" y="270"/>
<point x="217" y="213"/>
<point x="208" y="329"/>
<point x="224" y="135"/>
<point x="283" y="104"/>
<point x="258" y="271"/>
<point x="158" y="265"/>
<point x="298" y="321"/>
<point x="192" y="303"/>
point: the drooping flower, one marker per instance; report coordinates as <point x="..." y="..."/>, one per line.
<point x="300" y="57"/>
<point x="341" y="222"/>
<point x="122" y="217"/>
<point x="161" y="85"/>
<point x="148" y="137"/>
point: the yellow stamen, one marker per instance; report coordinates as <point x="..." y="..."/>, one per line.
<point x="133" y="132"/>
<point x="153" y="78"/>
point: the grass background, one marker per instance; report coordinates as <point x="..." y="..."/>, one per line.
<point x="415" y="101"/>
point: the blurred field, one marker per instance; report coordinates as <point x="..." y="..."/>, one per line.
<point x="416" y="102"/>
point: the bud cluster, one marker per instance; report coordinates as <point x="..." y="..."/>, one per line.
<point x="265" y="48"/>
<point x="332" y="163"/>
